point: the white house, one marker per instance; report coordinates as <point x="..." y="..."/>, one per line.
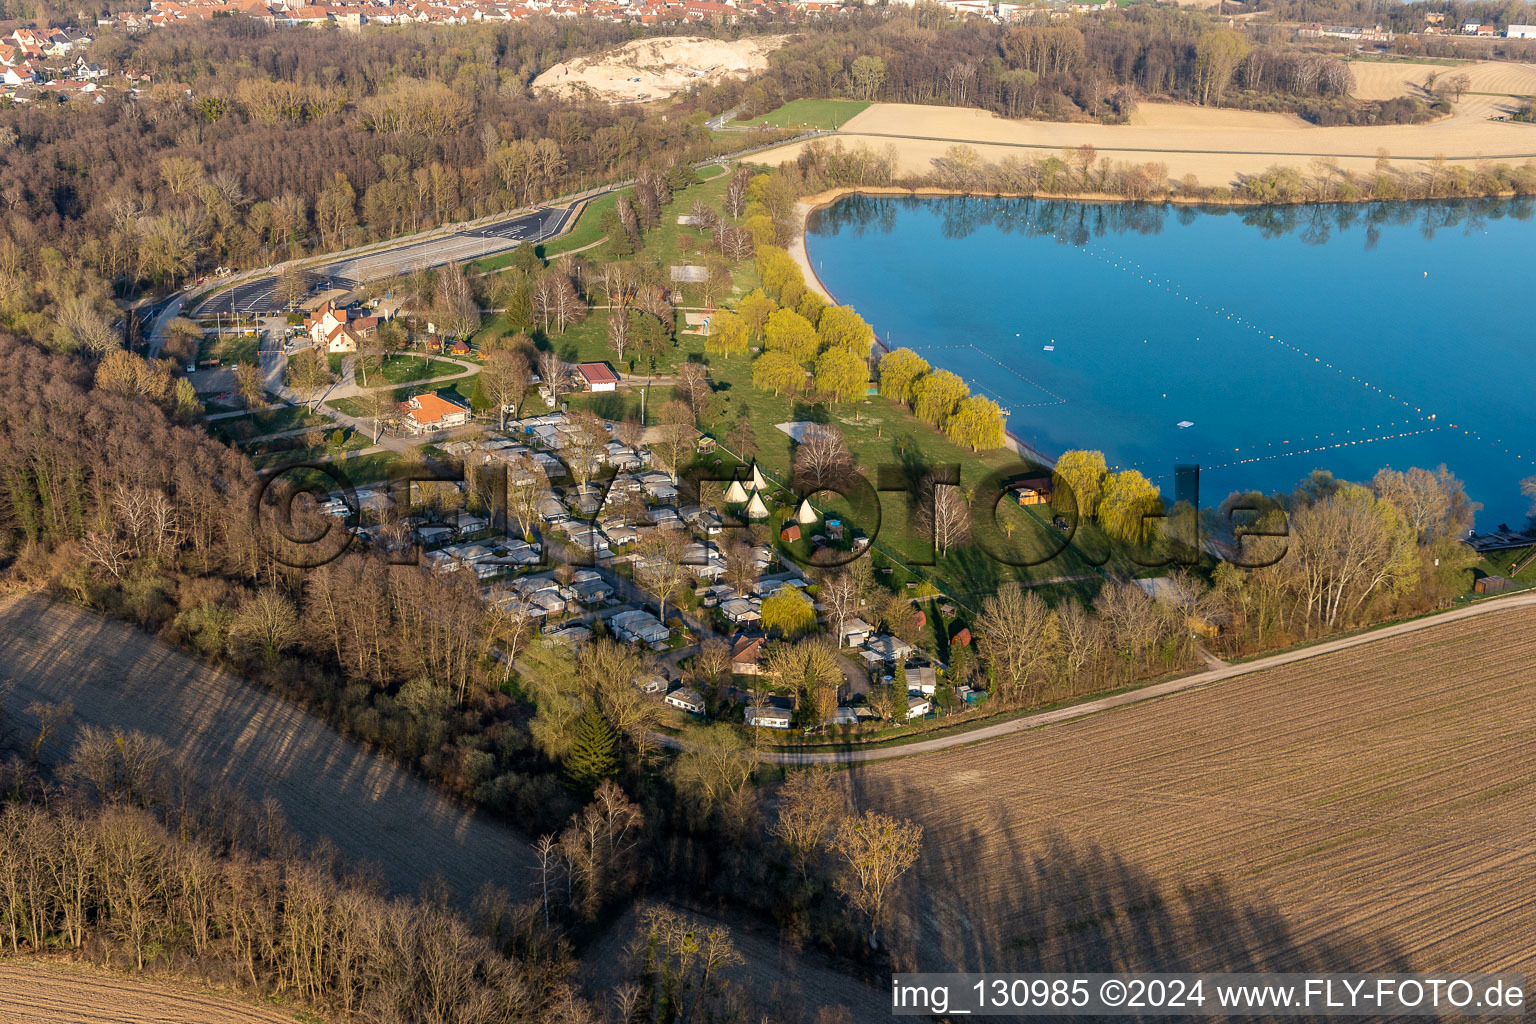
<point x="1520" y="32"/>
<point x="639" y="627"/>
<point x="855" y="632"/>
<point x="917" y="707"/>
<point x="769" y="718"/>
<point x="687" y="700"/>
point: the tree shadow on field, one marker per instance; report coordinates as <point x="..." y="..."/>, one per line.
<point x="1001" y="886"/>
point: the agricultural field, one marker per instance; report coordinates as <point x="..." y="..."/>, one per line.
<point x="1367" y="810"/>
<point x="236" y="737"/>
<point x="823" y="115"/>
<point x="56" y="994"/>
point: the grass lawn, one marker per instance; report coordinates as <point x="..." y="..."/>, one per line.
<point x="455" y="391"/>
<point x="228" y="349"/>
<point x="267" y="421"/>
<point x="404" y="369"/>
<point x="589" y="225"/>
<point x="1497" y="563"/>
<point x="826" y="115"/>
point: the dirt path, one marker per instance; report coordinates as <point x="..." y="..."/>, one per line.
<point x="1146" y="693"/>
<point x="238" y="736"/>
<point x="68" y="995"/>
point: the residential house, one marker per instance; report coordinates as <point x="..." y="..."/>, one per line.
<point x="922" y="679"/>
<point x="687" y="699"/>
<point x="742" y="611"/>
<point x="854" y="633"/>
<point x="641" y="627"/>
<point x="430" y="412"/>
<point x="769" y="718"/>
<point x="917" y="707"/>
<point x="886" y="650"/>
<point x="747" y="655"/>
<point x="652" y="684"/>
<point x="1034" y="490"/>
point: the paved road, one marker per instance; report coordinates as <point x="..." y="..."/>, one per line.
<point x="1191" y="682"/>
<point x="719" y="124"/>
<point x="259" y="295"/>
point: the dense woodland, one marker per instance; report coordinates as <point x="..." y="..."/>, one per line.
<point x="1097" y="66"/>
<point x="254" y="145"/>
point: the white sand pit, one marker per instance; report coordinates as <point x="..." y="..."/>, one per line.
<point x="654" y="69"/>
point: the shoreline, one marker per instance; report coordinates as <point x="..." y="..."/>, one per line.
<point x="808" y="205"/>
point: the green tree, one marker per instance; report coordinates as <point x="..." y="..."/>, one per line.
<point x="1217" y="57"/>
<point x="788" y="331"/>
<point x="841" y="327"/>
<point x="1129" y="505"/>
<point x="936" y="396"/>
<point x="977" y="424"/>
<point x="755" y="309"/>
<point x="841" y="374"/>
<point x="727" y="334"/>
<point x="899" y="373"/>
<point x="789" y="613"/>
<point x="1082" y="474"/>
<point x="780" y="274"/>
<point x="811" y="306"/>
<point x="868" y="74"/>
<point x="592" y="757"/>
<point x="778" y="372"/>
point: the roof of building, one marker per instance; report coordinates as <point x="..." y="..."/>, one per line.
<point x="597" y="373"/>
<point x="431" y="408"/>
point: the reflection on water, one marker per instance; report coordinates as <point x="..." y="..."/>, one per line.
<point x="1261" y="342"/>
<point x="1074" y="223"/>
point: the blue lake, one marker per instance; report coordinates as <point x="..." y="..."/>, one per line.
<point x="1283" y="339"/>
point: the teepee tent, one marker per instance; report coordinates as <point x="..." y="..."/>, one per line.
<point x="758" y="483"/>
<point x="805" y="515"/>
<point x="755" y="508"/>
<point x="735" y="494"/>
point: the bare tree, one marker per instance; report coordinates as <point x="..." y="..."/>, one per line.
<point x="877" y="850"/>
<point x="555" y="374"/>
<point x="841" y="597"/>
<point x="943" y="514"/>
<point x="584" y="447"/>
<point x="504" y="380"/>
<point x="1018" y="636"/>
<point x="659" y="565"/>
<point x="822" y="459"/>
<point x="693" y="384"/>
<point x="810" y="805"/>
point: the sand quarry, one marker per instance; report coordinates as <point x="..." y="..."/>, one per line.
<point x="654" y="69"/>
<point x="1217" y="146"/>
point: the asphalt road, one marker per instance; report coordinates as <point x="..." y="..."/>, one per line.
<point x="259" y="295"/>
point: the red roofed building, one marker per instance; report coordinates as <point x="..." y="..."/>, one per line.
<point x="598" y="377"/>
<point x="429" y="412"/>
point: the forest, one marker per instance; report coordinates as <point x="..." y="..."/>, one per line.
<point x="1097" y="66"/>
<point x="253" y="145"/>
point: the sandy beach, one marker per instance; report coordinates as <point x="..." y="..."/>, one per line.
<point x="1218" y="146"/>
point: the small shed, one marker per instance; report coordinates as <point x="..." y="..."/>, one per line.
<point x="1034" y="490"/>
<point x="1491" y="584"/>
<point x="598" y="377"/>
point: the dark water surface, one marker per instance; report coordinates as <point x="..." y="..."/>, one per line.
<point x="1290" y="338"/>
